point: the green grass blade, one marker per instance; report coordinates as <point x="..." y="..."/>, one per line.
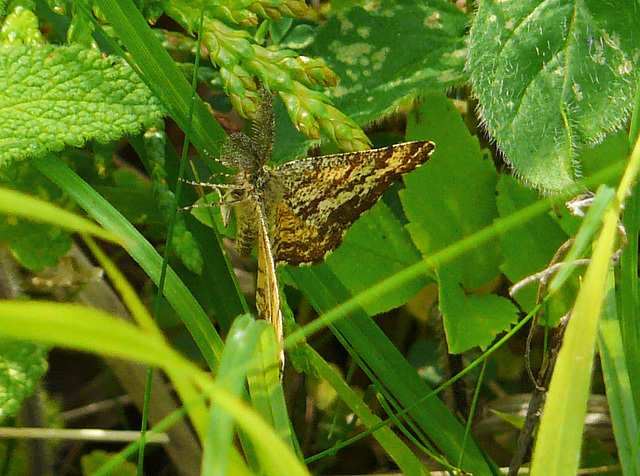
<point x="178" y="295"/>
<point x="616" y="378"/>
<point x="242" y="342"/>
<point x="557" y="450"/>
<point x="391" y="368"/>
<point x="18" y="204"/>
<point x="90" y="330"/>
<point x="628" y="304"/>
<point x="393" y="445"/>
<point x="265" y="388"/>
<point x="81" y="328"/>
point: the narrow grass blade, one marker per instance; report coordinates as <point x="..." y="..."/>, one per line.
<point x="392" y="369"/>
<point x="18" y="204"/>
<point x="242" y="342"/>
<point x="197" y="322"/>
<point x="588" y="229"/>
<point x="618" y="384"/>
<point x="557" y="450"/>
<point x="406" y="460"/>
<point x="265" y="389"/>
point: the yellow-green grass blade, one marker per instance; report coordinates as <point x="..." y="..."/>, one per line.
<point x="265" y="387"/>
<point x="618" y="384"/>
<point x="14" y="203"/>
<point x="557" y="449"/>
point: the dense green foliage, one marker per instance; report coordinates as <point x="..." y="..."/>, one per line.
<point x="519" y="97"/>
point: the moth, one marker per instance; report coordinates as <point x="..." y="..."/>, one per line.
<point x="299" y="212"/>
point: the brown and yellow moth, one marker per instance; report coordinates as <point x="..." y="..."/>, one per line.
<point x="298" y="212"/>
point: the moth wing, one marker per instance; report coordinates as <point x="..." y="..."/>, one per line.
<point x="267" y="289"/>
<point x="324" y="196"/>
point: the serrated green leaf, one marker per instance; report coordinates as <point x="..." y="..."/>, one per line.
<point x="21" y="366"/>
<point x="453" y="195"/>
<point x="54" y="96"/>
<point x="552" y="77"/>
<point x="376" y="247"/>
<point x="472" y="320"/>
<point x="391" y="52"/>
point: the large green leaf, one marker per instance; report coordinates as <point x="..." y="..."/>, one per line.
<point x="54" y="96"/>
<point x="552" y="77"/>
<point x="453" y="195"/>
<point x="377" y="246"/>
<point x="391" y="51"/>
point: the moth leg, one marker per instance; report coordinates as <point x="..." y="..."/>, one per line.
<point x="209" y="184"/>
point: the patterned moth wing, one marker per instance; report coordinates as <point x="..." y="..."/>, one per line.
<point x="267" y="289"/>
<point x="323" y="196"/>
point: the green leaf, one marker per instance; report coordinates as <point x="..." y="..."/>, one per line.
<point x="472" y="320"/>
<point x="552" y="77"/>
<point x="35" y="245"/>
<point x="376" y="247"/>
<point x="530" y="247"/>
<point x="21" y="366"/>
<point x="390" y="52"/>
<point x="453" y="195"/>
<point x="55" y="96"/>
<point x="615" y="148"/>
